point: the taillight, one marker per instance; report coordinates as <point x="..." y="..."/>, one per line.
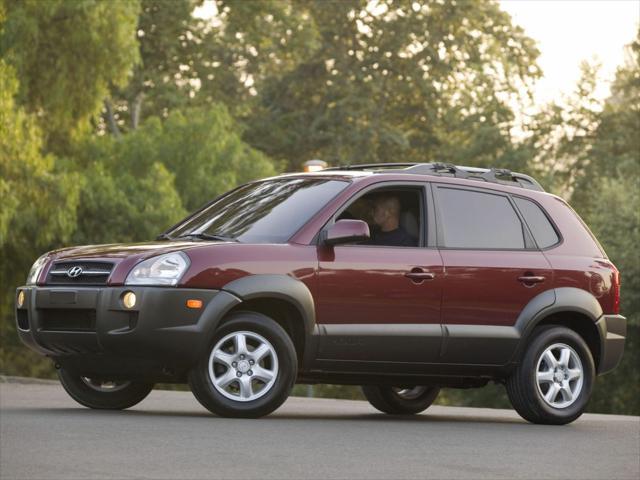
<point x="616" y="291"/>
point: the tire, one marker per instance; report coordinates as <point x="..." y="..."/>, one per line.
<point x="254" y="389"/>
<point x="537" y="377"/>
<point x="400" y="401"/>
<point x="103" y="395"/>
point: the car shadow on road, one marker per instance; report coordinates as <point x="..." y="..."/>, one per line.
<point x="278" y="416"/>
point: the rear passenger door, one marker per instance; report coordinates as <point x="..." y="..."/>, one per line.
<point x="493" y="268"/>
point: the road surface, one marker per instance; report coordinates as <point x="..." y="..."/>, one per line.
<point x="45" y="434"/>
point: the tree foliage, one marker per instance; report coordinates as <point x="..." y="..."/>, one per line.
<point x="186" y="61"/>
<point x="39" y="204"/>
<point x="67" y="54"/>
<point x="203" y="148"/>
<point x="400" y="81"/>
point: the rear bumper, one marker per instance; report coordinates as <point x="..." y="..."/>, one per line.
<point x="613" y="332"/>
<point x="90" y="329"/>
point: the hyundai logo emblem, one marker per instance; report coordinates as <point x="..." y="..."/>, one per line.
<point x="74" y="272"/>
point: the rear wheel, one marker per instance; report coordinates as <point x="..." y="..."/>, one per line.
<point x="249" y="369"/>
<point x="102" y="393"/>
<point x="552" y="385"/>
<point x="400" y="400"/>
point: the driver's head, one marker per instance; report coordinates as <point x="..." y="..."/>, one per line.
<point x="386" y="212"/>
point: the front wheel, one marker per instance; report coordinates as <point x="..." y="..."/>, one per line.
<point x="249" y="369"/>
<point x="553" y="382"/>
<point x="103" y="394"/>
<point x="400" y="400"/>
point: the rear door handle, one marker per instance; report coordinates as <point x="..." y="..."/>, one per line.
<point x="420" y="276"/>
<point x="531" y="279"/>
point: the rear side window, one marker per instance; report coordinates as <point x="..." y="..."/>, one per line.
<point x="472" y="219"/>
<point x="543" y="232"/>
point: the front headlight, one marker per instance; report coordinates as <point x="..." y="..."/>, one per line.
<point x="162" y="270"/>
<point x="36" y="268"/>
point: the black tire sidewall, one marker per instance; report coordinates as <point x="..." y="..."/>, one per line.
<point x="217" y="403"/>
<point x="82" y="393"/>
<point x="541" y="342"/>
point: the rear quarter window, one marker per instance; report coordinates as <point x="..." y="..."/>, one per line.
<point x="543" y="231"/>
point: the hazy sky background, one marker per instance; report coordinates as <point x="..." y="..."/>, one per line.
<point x="570" y="31"/>
<point x="567" y="32"/>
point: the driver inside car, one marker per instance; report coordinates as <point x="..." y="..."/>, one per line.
<point x="389" y="232"/>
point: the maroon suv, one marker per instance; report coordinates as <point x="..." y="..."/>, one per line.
<point x="403" y="278"/>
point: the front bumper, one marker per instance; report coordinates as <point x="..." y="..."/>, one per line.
<point x="89" y="328"/>
<point x="613" y="332"/>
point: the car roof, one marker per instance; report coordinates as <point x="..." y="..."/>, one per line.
<point x="417" y="171"/>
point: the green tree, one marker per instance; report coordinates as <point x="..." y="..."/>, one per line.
<point x="161" y="80"/>
<point x="203" y="148"/>
<point x="67" y="53"/>
<point x="611" y="183"/>
<point x="189" y="61"/>
<point x="400" y="81"/>
<point x="139" y="185"/>
<point x="38" y="203"/>
<point x="562" y="134"/>
<point x="128" y="194"/>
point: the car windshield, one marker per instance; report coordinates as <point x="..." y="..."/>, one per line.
<point x="270" y="211"/>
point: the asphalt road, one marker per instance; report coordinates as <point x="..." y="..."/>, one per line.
<point x="45" y="434"/>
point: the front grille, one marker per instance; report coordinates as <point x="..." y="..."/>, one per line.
<point x="79" y="273"/>
<point x="74" y="320"/>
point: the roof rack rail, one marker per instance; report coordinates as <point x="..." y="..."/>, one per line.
<point x="371" y="166"/>
<point x="502" y="176"/>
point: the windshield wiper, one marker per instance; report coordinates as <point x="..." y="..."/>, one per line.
<point x="164" y="236"/>
<point x="209" y="236"/>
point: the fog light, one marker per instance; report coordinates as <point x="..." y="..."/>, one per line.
<point x="20" y="298"/>
<point x="129" y="300"/>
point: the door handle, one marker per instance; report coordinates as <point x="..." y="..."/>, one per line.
<point x="420" y="276"/>
<point x="531" y="279"/>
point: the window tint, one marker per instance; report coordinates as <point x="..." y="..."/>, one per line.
<point x="270" y="211"/>
<point x="393" y="215"/>
<point x="542" y="230"/>
<point x="478" y="220"/>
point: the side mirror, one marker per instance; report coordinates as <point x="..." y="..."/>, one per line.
<point x="347" y="231"/>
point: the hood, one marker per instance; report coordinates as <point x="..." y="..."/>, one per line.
<point x="115" y="251"/>
<point x="123" y="255"/>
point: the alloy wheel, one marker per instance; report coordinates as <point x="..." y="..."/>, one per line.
<point x="559" y="375"/>
<point x="104" y="385"/>
<point x="243" y="366"/>
<point x="409" y="393"/>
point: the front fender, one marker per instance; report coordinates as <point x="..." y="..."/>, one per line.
<point x="253" y="287"/>
<point x="282" y="287"/>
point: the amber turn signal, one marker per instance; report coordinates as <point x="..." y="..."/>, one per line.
<point x="193" y="303"/>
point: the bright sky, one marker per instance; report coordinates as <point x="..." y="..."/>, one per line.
<point x="567" y="32"/>
<point x="570" y="31"/>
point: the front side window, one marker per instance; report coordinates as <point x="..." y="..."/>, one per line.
<point x="394" y="216"/>
<point x="270" y="211"/>
<point x="477" y="220"/>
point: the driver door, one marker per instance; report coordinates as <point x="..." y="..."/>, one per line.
<point x="381" y="303"/>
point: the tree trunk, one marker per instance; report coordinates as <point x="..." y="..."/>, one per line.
<point x="135" y="110"/>
<point x="113" y="126"/>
